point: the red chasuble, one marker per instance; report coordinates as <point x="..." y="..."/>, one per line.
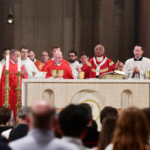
<point x="51" y="60"/>
<point x="67" y="71"/>
<point x="38" y="65"/>
<point x="12" y="84"/>
<point x="93" y="68"/>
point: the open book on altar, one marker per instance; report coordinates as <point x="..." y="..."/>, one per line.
<point x="116" y="74"/>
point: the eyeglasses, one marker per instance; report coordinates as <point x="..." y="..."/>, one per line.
<point x="71" y="56"/>
<point x="44" y="55"/>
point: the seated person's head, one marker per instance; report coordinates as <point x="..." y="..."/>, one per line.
<point x="89" y="109"/>
<point x="73" y="121"/>
<point x="42" y="115"/>
<point x="147" y="114"/>
<point x="107" y="111"/>
<point x="22" y="114"/>
<point x="5" y="115"/>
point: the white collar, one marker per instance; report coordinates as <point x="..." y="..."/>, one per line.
<point x="34" y="60"/>
<point x="52" y="58"/>
<point x="72" y="139"/>
<point x="57" y="64"/>
<point x="12" y="61"/>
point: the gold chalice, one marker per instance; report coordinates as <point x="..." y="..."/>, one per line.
<point x="147" y="74"/>
<point x="60" y="73"/>
<point x="81" y="74"/>
<point x="54" y="73"/>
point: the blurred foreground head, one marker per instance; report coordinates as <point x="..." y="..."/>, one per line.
<point x="42" y="115"/>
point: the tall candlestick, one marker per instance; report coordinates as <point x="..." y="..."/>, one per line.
<point x="19" y="62"/>
<point x="7" y="60"/>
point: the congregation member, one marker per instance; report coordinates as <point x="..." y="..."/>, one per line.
<point x="98" y="65"/>
<point x="72" y="56"/>
<point x="107" y="131"/>
<point x="40" y="136"/>
<point x="22" y="129"/>
<point x="13" y="68"/>
<point x="136" y="67"/>
<point x="83" y="58"/>
<point x="44" y="57"/>
<point x="73" y="120"/>
<point x="131" y="131"/>
<point x="32" y="71"/>
<point x="3" y="61"/>
<point x="55" y="48"/>
<point x="5" y="115"/>
<point x="91" y="138"/>
<point x="58" y="64"/>
<point x="106" y="111"/>
<point x="37" y="63"/>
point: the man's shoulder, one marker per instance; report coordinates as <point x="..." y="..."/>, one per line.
<point x="146" y="59"/>
<point x="57" y="144"/>
<point x="129" y="60"/>
<point x="37" y="61"/>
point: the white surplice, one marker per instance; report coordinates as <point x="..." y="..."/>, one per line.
<point x="73" y="68"/>
<point x="142" y="65"/>
<point x="2" y="63"/>
<point x="30" y="67"/>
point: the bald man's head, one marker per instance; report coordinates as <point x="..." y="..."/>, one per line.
<point x="58" y="57"/>
<point x="99" y="50"/>
<point x="42" y="115"/>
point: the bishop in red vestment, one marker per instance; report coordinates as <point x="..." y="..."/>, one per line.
<point x="58" y="64"/>
<point x="13" y="68"/>
<point x="98" y="65"/>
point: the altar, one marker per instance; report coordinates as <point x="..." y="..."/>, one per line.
<point x="98" y="93"/>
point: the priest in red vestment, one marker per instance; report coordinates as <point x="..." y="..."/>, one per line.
<point x="58" y="64"/>
<point x="55" y="48"/>
<point x="13" y="68"/>
<point x="98" y="65"/>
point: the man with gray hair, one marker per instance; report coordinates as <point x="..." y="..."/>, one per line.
<point x="99" y="64"/>
<point x="22" y="129"/>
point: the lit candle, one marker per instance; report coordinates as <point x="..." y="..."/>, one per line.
<point x="7" y="60"/>
<point x="19" y="62"/>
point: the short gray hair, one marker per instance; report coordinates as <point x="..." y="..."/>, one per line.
<point x="12" y="52"/>
<point x="23" y="112"/>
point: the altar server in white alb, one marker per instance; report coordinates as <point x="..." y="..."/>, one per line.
<point x="29" y="65"/>
<point x="136" y="67"/>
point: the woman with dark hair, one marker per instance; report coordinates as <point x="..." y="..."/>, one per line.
<point x="108" y="126"/>
<point x="131" y="132"/>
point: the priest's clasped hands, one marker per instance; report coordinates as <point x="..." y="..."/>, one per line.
<point x="23" y="71"/>
<point x="136" y="70"/>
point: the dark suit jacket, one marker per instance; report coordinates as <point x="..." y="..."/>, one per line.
<point x="20" y="131"/>
<point x="4" y="146"/>
<point x="4" y="128"/>
<point x="91" y="138"/>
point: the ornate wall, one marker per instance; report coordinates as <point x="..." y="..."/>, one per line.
<point x="73" y="24"/>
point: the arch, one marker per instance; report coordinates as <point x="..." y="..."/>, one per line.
<point x="48" y="95"/>
<point x="126" y="99"/>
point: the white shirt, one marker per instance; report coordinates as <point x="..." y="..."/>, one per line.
<point x="38" y="139"/>
<point x="109" y="147"/>
<point x="30" y="67"/>
<point x="73" y="68"/>
<point x="2" y="63"/>
<point x="142" y="65"/>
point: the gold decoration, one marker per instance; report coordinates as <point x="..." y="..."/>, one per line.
<point x="60" y="73"/>
<point x="6" y="88"/>
<point x="7" y="52"/>
<point x="81" y="74"/>
<point x="96" y="103"/>
<point x="89" y="64"/>
<point x="101" y="71"/>
<point x="147" y="74"/>
<point x="18" y="89"/>
<point x="111" y="63"/>
<point x="54" y="73"/>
